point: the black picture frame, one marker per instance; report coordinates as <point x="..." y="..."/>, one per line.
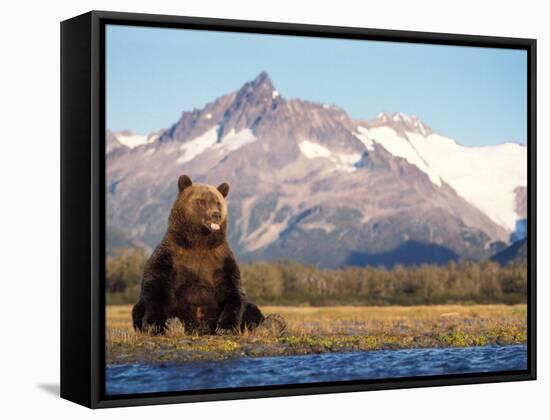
<point x="83" y="206"/>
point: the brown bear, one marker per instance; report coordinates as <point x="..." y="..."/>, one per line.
<point x="192" y="275"/>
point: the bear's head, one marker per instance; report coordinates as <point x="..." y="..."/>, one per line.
<point x="199" y="214"/>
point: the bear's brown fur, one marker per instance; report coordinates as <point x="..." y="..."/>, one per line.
<point x="192" y="275"/>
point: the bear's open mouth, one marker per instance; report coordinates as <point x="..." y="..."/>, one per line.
<point x="211" y="227"/>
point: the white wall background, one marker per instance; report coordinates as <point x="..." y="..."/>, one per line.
<point x="29" y="222"/>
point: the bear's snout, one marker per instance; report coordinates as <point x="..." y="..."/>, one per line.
<point x="216" y="216"/>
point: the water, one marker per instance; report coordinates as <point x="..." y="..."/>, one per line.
<point x="327" y="367"/>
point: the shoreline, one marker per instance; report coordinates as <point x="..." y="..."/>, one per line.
<point x="323" y="330"/>
<point x="176" y="354"/>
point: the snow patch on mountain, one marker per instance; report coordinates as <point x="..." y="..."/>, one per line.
<point x="484" y="176"/>
<point x="192" y="148"/>
<point x="209" y="141"/>
<point x="343" y="161"/>
<point x="346" y="162"/>
<point x="400" y="147"/>
<point x="364" y="137"/>
<point x="313" y="150"/>
<point x="133" y="140"/>
<point x="421" y="127"/>
<point x="233" y="141"/>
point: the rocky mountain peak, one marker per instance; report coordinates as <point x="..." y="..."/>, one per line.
<point x="260" y="89"/>
<point x="252" y="102"/>
<point x="262" y="80"/>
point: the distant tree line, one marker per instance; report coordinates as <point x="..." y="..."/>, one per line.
<point x="291" y="283"/>
<point x="123" y="273"/>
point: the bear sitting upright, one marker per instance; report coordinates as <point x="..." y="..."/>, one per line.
<point x="192" y="275"/>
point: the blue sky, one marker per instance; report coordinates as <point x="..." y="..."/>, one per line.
<point x="476" y="95"/>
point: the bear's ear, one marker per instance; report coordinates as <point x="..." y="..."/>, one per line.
<point x="224" y="189"/>
<point x="183" y="182"/>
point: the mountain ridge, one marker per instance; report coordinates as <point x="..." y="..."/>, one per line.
<point x="298" y="170"/>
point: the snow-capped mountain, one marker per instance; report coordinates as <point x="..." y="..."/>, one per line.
<point x="487" y="177"/>
<point x="310" y="183"/>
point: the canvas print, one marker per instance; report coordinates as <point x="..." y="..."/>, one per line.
<point x="298" y="210"/>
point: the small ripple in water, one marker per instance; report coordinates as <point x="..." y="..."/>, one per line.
<point x="327" y="367"/>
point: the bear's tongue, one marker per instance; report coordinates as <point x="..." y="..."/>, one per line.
<point x="214" y="226"/>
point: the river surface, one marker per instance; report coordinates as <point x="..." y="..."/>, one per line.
<point x="326" y="367"/>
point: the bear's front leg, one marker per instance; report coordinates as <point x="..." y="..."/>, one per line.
<point x="230" y="318"/>
<point x="138" y="313"/>
<point x="154" y="318"/>
<point x="148" y="319"/>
